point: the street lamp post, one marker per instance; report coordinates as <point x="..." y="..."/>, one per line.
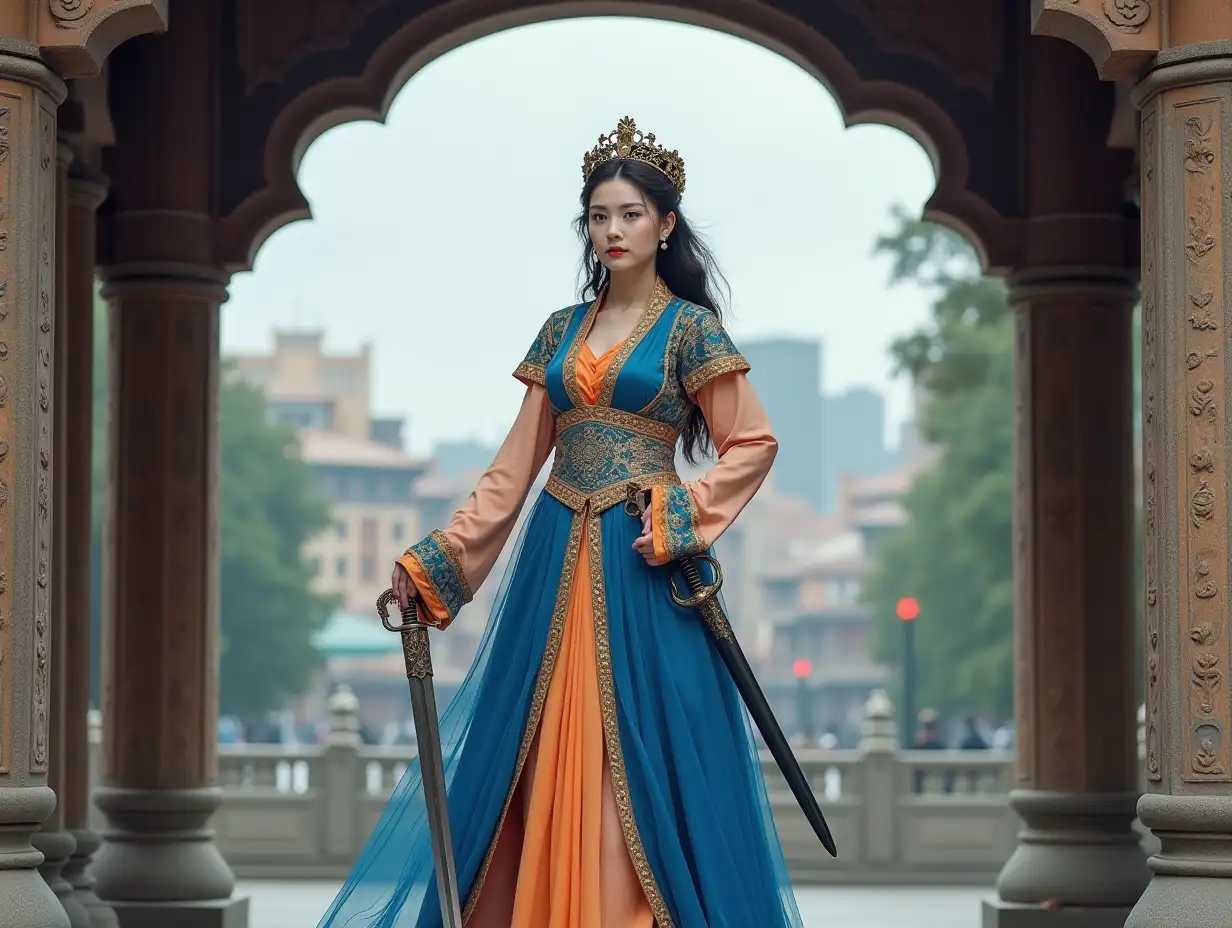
<point x="803" y="668"/>
<point x="908" y="610"/>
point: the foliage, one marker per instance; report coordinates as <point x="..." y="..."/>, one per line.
<point x="954" y="554"/>
<point x="269" y="507"/>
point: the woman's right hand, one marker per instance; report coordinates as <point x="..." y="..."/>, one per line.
<point x="404" y="588"/>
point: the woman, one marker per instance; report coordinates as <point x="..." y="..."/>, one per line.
<point x="601" y="770"/>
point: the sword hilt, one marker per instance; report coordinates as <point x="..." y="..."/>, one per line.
<point x="415" y="651"/>
<point x="700" y="590"/>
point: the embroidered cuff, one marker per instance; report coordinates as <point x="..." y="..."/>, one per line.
<point x="441" y="567"/>
<point x="429" y="598"/>
<point x="530" y="373"/>
<point x="699" y="377"/>
<point x="673" y="522"/>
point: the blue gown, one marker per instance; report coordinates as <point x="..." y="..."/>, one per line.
<point x="685" y="768"/>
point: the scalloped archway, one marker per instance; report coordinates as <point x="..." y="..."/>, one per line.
<point x="420" y="39"/>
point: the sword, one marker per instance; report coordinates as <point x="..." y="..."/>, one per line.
<point x="418" y="657"/>
<point x="704" y="598"/>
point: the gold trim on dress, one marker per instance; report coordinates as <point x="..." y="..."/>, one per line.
<point x="629" y="421"/>
<point x="609" y="496"/>
<point x="660" y="297"/>
<point x="611" y="732"/>
<point x="712" y="369"/>
<point x="572" y="390"/>
<point x="531" y="372"/>
<point x="451" y="554"/>
<point x="542" y="681"/>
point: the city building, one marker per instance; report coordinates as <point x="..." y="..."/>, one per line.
<point x="819" y="668"/>
<point x="853" y="440"/>
<point x="358" y="460"/>
<point x="787" y="376"/>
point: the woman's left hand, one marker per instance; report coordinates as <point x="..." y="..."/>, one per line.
<point x="644" y="545"/>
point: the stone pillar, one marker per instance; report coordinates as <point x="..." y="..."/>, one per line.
<point x="1186" y="103"/>
<point x="29" y="95"/>
<point x="1076" y="745"/>
<point x="159" y="864"/>
<point x="54" y="840"/>
<point x="1072" y="299"/>
<point x="86" y="190"/>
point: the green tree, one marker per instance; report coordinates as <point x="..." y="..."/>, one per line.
<point x="270" y="507"/>
<point x="954" y="554"/>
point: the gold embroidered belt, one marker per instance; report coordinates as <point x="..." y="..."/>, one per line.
<point x="600" y="451"/>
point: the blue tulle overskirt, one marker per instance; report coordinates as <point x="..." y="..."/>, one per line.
<point x="691" y="767"/>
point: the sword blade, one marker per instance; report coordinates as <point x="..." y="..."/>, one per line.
<point x="417" y="655"/>
<point x="432" y="775"/>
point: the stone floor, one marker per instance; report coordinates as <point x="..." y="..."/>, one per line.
<point x="300" y="904"/>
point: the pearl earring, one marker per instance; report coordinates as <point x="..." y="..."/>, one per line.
<point x="663" y="245"/>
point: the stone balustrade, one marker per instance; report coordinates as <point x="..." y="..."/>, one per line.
<point x="899" y="817"/>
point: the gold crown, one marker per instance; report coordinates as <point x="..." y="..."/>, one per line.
<point x="628" y="141"/>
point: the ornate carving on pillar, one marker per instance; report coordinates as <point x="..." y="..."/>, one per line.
<point x="76" y="36"/>
<point x="41" y="686"/>
<point x="7" y="460"/>
<point x="1202" y="635"/>
<point x="1150" y="445"/>
<point x="1186" y="103"/>
<point x="1121" y="36"/>
<point x="29" y="95"/>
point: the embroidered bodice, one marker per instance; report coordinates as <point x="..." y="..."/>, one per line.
<point x="631" y="431"/>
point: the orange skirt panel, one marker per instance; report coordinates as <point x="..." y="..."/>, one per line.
<point x="564" y="864"/>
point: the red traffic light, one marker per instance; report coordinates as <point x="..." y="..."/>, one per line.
<point x="801" y="667"/>
<point x="907" y="608"/>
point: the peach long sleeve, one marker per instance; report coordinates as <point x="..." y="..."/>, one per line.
<point x="451" y="563"/>
<point x="689" y="518"/>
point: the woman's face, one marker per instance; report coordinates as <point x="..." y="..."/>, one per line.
<point x="623" y="226"/>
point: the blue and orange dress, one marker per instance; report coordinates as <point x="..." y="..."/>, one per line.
<point x="600" y="766"/>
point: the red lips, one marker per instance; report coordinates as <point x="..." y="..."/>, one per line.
<point x="617" y="252"/>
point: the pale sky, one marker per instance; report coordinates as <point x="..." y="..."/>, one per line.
<point x="444" y="237"/>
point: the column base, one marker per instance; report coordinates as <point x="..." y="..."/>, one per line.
<point x="76" y="872"/>
<point x="1191" y="881"/>
<point x="1077" y="849"/>
<point x="159" y="849"/>
<point x="998" y="914"/>
<point x="216" y="913"/>
<point x="28" y="901"/>
<point x="57" y="848"/>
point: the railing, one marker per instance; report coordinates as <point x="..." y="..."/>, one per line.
<point x="304" y="812"/>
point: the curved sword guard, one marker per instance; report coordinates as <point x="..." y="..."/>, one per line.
<point x="701" y="592"/>
<point x="415" y="651"/>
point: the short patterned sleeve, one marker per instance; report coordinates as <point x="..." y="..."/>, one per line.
<point x="707" y="352"/>
<point x="533" y="368"/>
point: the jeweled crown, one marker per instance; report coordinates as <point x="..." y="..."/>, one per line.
<point x="628" y="141"/>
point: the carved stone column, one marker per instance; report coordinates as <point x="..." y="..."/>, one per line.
<point x="1076" y="744"/>
<point x="29" y="95"/>
<point x="1072" y="298"/>
<point x="160" y="700"/>
<point x="1186" y="103"/>
<point x="159" y="865"/>
<point x="54" y="840"/>
<point x="86" y="190"/>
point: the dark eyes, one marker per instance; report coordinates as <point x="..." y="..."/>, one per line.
<point x="599" y="217"/>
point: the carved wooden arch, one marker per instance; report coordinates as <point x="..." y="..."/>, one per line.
<point x="443" y="28"/>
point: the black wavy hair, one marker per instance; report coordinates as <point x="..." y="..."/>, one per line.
<point x="687" y="266"/>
